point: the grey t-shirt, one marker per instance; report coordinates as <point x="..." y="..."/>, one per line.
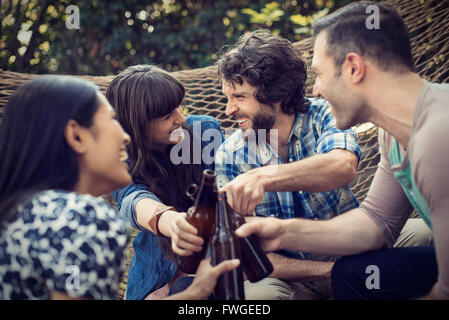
<point x="428" y="154"/>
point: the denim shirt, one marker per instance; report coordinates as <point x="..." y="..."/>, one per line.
<point x="149" y="270"/>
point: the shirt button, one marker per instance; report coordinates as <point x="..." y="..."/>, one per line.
<point x="300" y="192"/>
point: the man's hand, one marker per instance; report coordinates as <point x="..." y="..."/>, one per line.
<point x="245" y="191"/>
<point x="269" y="230"/>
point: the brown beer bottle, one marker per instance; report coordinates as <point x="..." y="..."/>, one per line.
<point x="225" y="246"/>
<point x="254" y="260"/>
<point x="201" y="215"/>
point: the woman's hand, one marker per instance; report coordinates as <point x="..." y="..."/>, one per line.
<point x="183" y="235"/>
<point x="205" y="280"/>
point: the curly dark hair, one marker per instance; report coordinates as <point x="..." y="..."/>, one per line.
<point x="271" y="64"/>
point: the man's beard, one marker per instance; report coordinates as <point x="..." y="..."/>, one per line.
<point x="264" y="119"/>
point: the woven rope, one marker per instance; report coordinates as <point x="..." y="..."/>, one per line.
<point x="428" y="25"/>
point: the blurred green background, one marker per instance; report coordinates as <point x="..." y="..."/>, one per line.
<point x="175" y="35"/>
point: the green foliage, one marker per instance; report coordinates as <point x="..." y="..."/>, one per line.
<point x="115" y="34"/>
<point x="267" y="16"/>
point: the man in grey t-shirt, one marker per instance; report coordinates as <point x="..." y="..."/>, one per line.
<point x="367" y="73"/>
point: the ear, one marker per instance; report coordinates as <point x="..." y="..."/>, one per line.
<point x="75" y="136"/>
<point x="355" y="67"/>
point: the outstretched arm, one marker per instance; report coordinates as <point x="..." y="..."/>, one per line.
<point x="172" y="224"/>
<point x="296" y="270"/>
<point x="350" y="233"/>
<point x="318" y="173"/>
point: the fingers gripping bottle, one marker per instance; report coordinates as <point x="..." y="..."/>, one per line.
<point x="201" y="215"/>
<point x="255" y="261"/>
<point x="225" y="246"/>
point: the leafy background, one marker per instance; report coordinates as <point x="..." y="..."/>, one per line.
<point x="175" y="35"/>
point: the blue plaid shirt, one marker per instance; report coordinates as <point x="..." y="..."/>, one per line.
<point x="313" y="133"/>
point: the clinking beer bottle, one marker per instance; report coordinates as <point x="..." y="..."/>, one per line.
<point x="225" y="246"/>
<point x="255" y="261"/>
<point x="201" y="215"/>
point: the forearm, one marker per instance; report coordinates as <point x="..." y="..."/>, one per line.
<point x="187" y="294"/>
<point x="293" y="269"/>
<point x="350" y="233"/>
<point x="318" y="173"/>
<point x="146" y="209"/>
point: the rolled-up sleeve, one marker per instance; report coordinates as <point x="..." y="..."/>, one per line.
<point x="386" y="203"/>
<point x="127" y="199"/>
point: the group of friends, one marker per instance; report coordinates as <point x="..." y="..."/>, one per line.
<point x="64" y="144"/>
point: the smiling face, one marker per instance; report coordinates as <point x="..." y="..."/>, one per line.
<point x="102" y="163"/>
<point x="347" y="105"/>
<point x="167" y="130"/>
<point x="243" y="106"/>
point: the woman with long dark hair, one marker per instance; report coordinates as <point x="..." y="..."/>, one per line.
<point x="167" y="153"/>
<point x="60" y="147"/>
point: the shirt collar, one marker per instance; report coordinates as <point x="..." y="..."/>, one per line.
<point x="265" y="152"/>
<point x="297" y="127"/>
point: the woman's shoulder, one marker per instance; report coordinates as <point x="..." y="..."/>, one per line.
<point x="58" y="229"/>
<point x="206" y="122"/>
<point x="69" y="207"/>
<point x="70" y="200"/>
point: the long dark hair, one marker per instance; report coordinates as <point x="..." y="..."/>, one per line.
<point x="140" y="94"/>
<point x="35" y="155"/>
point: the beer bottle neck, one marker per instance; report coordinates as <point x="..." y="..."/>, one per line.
<point x="222" y="217"/>
<point x="207" y="196"/>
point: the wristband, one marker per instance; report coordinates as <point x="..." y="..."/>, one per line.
<point x="153" y="222"/>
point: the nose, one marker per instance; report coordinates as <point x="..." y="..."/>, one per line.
<point x="180" y="119"/>
<point x="126" y="138"/>
<point x="231" y="108"/>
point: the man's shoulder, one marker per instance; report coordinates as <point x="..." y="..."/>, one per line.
<point x="318" y="105"/>
<point x="430" y="130"/>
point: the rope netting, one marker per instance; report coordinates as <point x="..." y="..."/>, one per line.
<point x="429" y="30"/>
<point x="428" y="25"/>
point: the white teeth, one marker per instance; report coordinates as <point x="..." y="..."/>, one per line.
<point x="176" y="134"/>
<point x="123" y="155"/>
<point x="243" y="120"/>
